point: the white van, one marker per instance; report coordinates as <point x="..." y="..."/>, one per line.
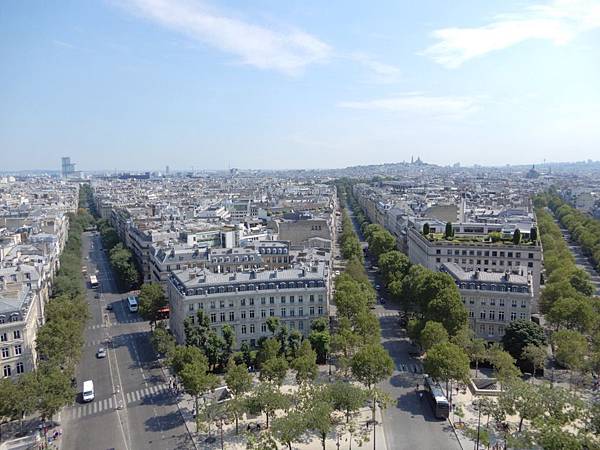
<point x="88" y="391"/>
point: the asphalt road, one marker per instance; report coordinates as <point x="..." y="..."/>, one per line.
<point x="132" y="408"/>
<point x="408" y="422"/>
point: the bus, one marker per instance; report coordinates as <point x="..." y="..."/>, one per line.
<point x="439" y="402"/>
<point x="163" y="313"/>
<point x="93" y="281"/>
<point x="132" y="303"/>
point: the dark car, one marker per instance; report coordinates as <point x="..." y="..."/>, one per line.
<point x="109" y="307"/>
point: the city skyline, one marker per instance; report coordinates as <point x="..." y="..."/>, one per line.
<point x="141" y="84"/>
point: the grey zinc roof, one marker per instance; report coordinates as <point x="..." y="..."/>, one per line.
<point x="205" y="277"/>
<point x="487" y="277"/>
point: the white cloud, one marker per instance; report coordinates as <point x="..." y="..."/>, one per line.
<point x="559" y="22"/>
<point x="382" y="72"/>
<point x="417" y="103"/>
<point x="288" y="51"/>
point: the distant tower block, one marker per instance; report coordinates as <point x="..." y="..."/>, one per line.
<point x="67" y="168"/>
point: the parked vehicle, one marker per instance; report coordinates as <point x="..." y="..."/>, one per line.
<point x="101" y="353"/>
<point x="88" y="391"/>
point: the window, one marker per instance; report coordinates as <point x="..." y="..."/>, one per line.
<point x="514" y="303"/>
<point x="291" y="299"/>
<point x="529" y="264"/>
<point x="482" y="315"/>
<point x="243" y="315"/>
<point x="18" y="350"/>
<point x="263" y="327"/>
<point x="283" y="299"/>
<point x="312" y="298"/>
<point x="311" y="311"/>
<point x="492" y="315"/>
<point x="320" y="310"/>
<point x="263" y="300"/>
<point x="252" y="328"/>
<point x="20" y="367"/>
<point x="252" y="314"/>
<point x="320" y="298"/>
<point x="271" y="312"/>
<point x="471" y="314"/>
<point x="522" y="315"/>
<point x="491" y="330"/>
<point x="222" y="317"/>
<point x="482" y="328"/>
<point x="7" y="371"/>
<point x="301" y="325"/>
<point x="517" y="254"/>
<point x="501" y="302"/>
<point x="251" y="302"/>
<point x="492" y="302"/>
<point x="292" y="312"/>
<point x="191" y="307"/>
<point x="501" y="316"/>
<point x="471" y="301"/>
<point x="4" y="338"/>
<point x="301" y="311"/>
<point x="513" y="316"/>
<point x="271" y="300"/>
<point x="531" y="256"/>
<point x="263" y="313"/>
<point x="483" y="302"/>
<point x="283" y="312"/>
<point x="243" y="302"/>
<point x="5" y="352"/>
<point x="231" y="316"/>
<point x="523" y="303"/>
<point x="212" y="305"/>
<point x="300" y="299"/>
<point x="243" y="329"/>
<point x="221" y="303"/>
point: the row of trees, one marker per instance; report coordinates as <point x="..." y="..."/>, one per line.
<point x="584" y="228"/>
<point x="566" y="300"/>
<point x="120" y="257"/>
<point x="59" y="341"/>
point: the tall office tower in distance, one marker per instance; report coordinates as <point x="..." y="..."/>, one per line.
<point x="67" y="167"/>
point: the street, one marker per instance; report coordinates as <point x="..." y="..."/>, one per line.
<point x="133" y="408"/>
<point x="408" y="422"/>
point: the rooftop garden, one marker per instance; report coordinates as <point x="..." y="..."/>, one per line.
<point x="491" y="238"/>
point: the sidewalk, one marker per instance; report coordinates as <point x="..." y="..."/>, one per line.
<point x="311" y="441"/>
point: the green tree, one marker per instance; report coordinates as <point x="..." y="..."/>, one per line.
<point x="151" y="300"/>
<point x="533" y="234"/>
<point x="196" y="380"/>
<point x="425" y="229"/>
<point x="346" y="398"/>
<point x="433" y="333"/>
<point x="162" y="341"/>
<point x="534" y="355"/>
<point x="370" y="365"/>
<point x="516" y="237"/>
<point x="448" y="232"/>
<point x="267" y="399"/>
<point x="446" y="362"/>
<point x="570" y="349"/>
<point x="273" y="324"/>
<point x="504" y="364"/>
<point x="320" y="341"/>
<point x="572" y="313"/>
<point x="393" y="265"/>
<point x="238" y="381"/>
<point x="581" y="281"/>
<point x="54" y="390"/>
<point x="305" y="364"/>
<point x="290" y="428"/>
<point x="229" y="341"/>
<point x="520" y="333"/>
<point x="448" y="309"/>
<point x="274" y="370"/>
<point x="320" y="419"/>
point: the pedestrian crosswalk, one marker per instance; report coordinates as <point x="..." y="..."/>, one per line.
<point x="386" y="313"/>
<point x="141" y="394"/>
<point x="98" y="326"/>
<point x="96" y="407"/>
<point x="409" y="367"/>
<point x="108" y="404"/>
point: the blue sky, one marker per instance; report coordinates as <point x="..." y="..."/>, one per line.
<point x="140" y="84"/>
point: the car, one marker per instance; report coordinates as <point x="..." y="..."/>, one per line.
<point x="377" y="287"/>
<point x="337" y="272"/>
<point x="382" y="301"/>
<point x="338" y="257"/>
<point x="109" y="307"/>
<point x="101" y="353"/>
